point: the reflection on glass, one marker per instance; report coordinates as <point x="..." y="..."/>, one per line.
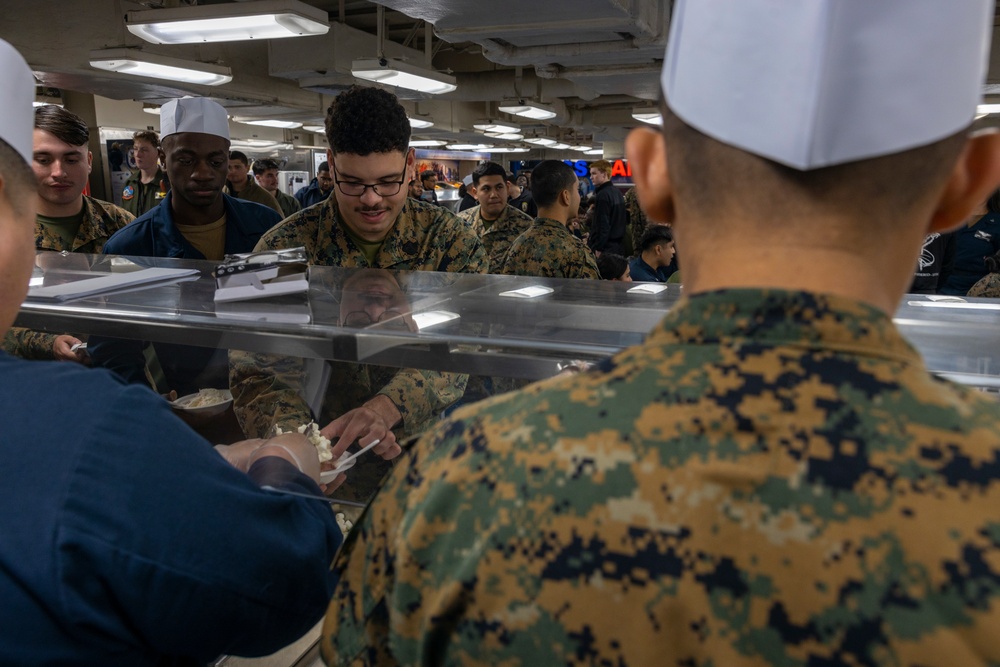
<point x="372" y="298"/>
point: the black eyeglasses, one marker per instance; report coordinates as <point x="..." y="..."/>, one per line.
<point x="352" y="189"/>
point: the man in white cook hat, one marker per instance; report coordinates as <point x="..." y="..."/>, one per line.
<point x="127" y="540"/>
<point x="773" y="477"/>
<point x="196" y="220"/>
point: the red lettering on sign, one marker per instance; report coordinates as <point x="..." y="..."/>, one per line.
<point x="618" y="169"/>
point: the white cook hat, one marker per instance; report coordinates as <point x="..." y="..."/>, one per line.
<point x="467" y="180"/>
<point x="194" y="114"/>
<point x="17" y="86"/>
<point x="813" y="83"/>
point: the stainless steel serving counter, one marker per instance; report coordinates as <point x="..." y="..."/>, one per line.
<point x="443" y="321"/>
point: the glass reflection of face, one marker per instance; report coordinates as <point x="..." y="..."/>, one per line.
<point x="373" y="298"/>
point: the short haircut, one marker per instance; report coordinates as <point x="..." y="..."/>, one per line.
<point x="362" y="121"/>
<point x="19" y="179"/>
<point x="63" y="125"/>
<point x="602" y="165"/>
<point x="323" y="166"/>
<point x="655" y="234"/>
<point x="427" y="175"/>
<point x="993" y="203"/>
<point x="710" y="178"/>
<point x="264" y="164"/>
<point x="488" y="169"/>
<point x="611" y="266"/>
<point x="239" y="155"/>
<point x="148" y="136"/>
<point x="549" y="179"/>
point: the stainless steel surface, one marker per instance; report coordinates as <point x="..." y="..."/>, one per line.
<point x="492" y="335"/>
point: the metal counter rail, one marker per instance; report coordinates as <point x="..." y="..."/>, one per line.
<point x="444" y="321"/>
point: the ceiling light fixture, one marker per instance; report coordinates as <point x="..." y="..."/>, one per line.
<point x="559" y="147"/>
<point x="541" y="141"/>
<point x="581" y="148"/>
<point x="258" y="145"/>
<point x="392" y="72"/>
<point x="149" y="108"/>
<point x="506" y="136"/>
<point x="426" y="143"/>
<point x="528" y="109"/>
<point x="987" y="109"/>
<point x="283" y="124"/>
<point x="228" y="22"/>
<point x="496" y="127"/>
<point x="138" y="63"/>
<point x="648" y="115"/>
<point x="595" y="151"/>
<point x="510" y="149"/>
<point x="420" y="124"/>
<point x="314" y="128"/>
<point x="470" y="147"/>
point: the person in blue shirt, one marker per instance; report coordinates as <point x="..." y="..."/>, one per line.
<point x="656" y="255"/>
<point x="978" y="239"/>
<point x="127" y="540"/>
<point x="318" y="189"/>
<point x="196" y="220"/>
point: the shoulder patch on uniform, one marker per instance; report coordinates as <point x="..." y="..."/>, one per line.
<point x="128" y="193"/>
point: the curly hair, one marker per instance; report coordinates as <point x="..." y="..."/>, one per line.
<point x="362" y="121"/>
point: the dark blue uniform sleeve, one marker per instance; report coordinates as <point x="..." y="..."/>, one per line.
<point x="163" y="544"/>
<point x="601" y="230"/>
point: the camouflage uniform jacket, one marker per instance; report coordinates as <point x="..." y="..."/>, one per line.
<point x="549" y="250"/>
<point x="101" y="219"/>
<point x="772" y="478"/>
<point x="266" y="388"/>
<point x="497" y="239"/>
<point x="636" y="222"/>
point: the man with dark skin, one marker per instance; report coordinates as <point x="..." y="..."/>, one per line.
<point x="195" y="221"/>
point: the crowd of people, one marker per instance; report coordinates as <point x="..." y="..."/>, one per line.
<point x="772" y="477"/>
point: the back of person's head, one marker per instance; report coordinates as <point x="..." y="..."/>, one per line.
<point x="611" y="266"/>
<point x="427" y="174"/>
<point x="148" y="136"/>
<point x="549" y="179"/>
<point x="654" y="235"/>
<point x="241" y="156"/>
<point x="488" y="169"/>
<point x="62" y="124"/>
<point x="603" y="166"/>
<point x="362" y="121"/>
<point x="264" y="164"/>
<point x="19" y="179"/>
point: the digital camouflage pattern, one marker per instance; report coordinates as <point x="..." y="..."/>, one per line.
<point x="548" y="250"/>
<point x="988" y="287"/>
<point x="636" y="222"/>
<point x="267" y="389"/>
<point x="772" y="478"/>
<point x="501" y="234"/>
<point x="100" y="220"/>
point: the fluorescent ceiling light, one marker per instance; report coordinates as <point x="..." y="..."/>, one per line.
<point x="510" y="149"/>
<point x="559" y="147"/>
<point x="422" y="143"/>
<point x="257" y="145"/>
<point x="596" y="151"/>
<point x="528" y="110"/>
<point x="541" y="141"/>
<point x="496" y="127"/>
<point x="580" y="148"/>
<point x="420" y="124"/>
<point x="149" y="108"/>
<point x="138" y="63"/>
<point x="506" y="136"/>
<point x="393" y="72"/>
<point x="647" y="115"/>
<point x="284" y="124"/>
<point x="470" y="147"/>
<point x="314" y="128"/>
<point x="987" y="109"/>
<point x="228" y="22"/>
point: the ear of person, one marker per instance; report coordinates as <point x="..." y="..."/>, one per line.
<point x="975" y="176"/>
<point x="647" y="154"/>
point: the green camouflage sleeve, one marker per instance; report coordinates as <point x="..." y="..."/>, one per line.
<point x="29" y="344"/>
<point x="419" y="395"/>
<point x="267" y="392"/>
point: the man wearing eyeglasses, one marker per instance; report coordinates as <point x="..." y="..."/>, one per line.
<point x="143" y="190"/>
<point x="368" y="222"/>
